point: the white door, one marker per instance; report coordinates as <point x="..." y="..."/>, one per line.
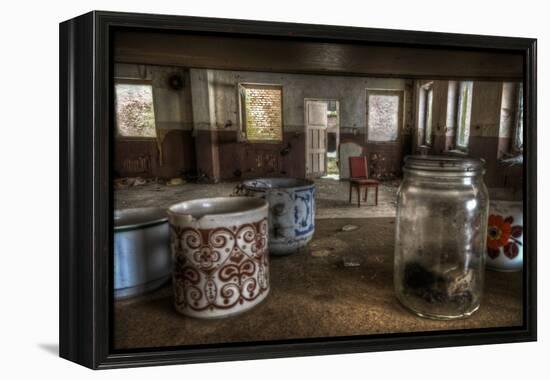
<point x="316" y="137"/>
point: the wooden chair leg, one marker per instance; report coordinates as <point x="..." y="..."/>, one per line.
<point x="358" y="196"/>
<point x="376" y="196"/>
<point x="366" y="194"/>
<point x="350" y="192"/>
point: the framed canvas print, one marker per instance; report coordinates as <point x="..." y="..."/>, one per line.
<point x="238" y="189"/>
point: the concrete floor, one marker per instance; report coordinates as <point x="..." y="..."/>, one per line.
<point x="332" y="197"/>
<point x="313" y="294"/>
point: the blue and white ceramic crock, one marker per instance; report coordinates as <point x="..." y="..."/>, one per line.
<point x="291" y="211"/>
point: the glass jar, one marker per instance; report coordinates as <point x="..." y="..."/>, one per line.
<point x="441" y="231"/>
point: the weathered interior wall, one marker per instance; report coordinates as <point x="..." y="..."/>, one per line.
<point x="489" y="137"/>
<point x="172" y="152"/>
<point x="221" y="155"/>
<point x="484" y="135"/>
<point x="198" y="126"/>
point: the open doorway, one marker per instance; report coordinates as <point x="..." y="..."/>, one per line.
<point x="322" y="124"/>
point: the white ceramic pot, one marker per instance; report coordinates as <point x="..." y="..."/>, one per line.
<point x="505" y="236"/>
<point x="219" y="249"/>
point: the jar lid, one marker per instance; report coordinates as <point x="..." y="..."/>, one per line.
<point x="445" y="164"/>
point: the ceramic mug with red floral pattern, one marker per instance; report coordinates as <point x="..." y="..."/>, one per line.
<point x="220" y="255"/>
<point x="505" y="236"/>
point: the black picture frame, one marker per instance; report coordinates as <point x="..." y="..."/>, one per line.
<point x="86" y="199"/>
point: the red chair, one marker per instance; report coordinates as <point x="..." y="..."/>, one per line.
<point x="359" y="178"/>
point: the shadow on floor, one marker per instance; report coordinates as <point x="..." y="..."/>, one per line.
<point x="52" y="348"/>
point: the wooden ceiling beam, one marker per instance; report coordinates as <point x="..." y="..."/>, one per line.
<point x="296" y="56"/>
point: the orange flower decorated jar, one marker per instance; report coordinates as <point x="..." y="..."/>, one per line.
<point x="505" y="236"/>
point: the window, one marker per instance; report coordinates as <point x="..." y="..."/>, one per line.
<point x="262" y="112"/>
<point x="511" y="120"/>
<point x="426" y="101"/>
<point x="518" y="130"/>
<point x="384" y="115"/>
<point x="332" y="108"/>
<point x="135" y="114"/>
<point x="463" y="113"/>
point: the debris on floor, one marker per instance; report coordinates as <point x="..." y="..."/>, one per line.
<point x="238" y="190"/>
<point x="349" y="227"/>
<point x="125" y="183"/>
<point x="175" y="182"/>
<point x="323" y="252"/>
<point x="138" y="181"/>
<point x="121" y="183"/>
<point x="327" y="246"/>
<point x="351" y="261"/>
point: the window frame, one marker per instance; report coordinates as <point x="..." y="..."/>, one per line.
<point x="427" y="90"/>
<point x="134" y="81"/>
<point x="241" y="94"/>
<point x="401" y="109"/>
<point x="458" y="114"/>
<point x="518" y="122"/>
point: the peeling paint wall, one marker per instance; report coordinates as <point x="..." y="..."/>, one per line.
<point x="217" y="122"/>
<point x="197" y="127"/>
<point x="350" y="91"/>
